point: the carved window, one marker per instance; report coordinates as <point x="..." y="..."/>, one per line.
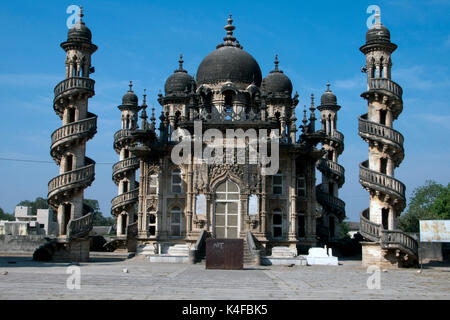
<point x="301" y="226"/>
<point x="175" y="222"/>
<point x="383" y="165"/>
<point x="152" y="224"/>
<point x="277" y="183"/>
<point x="330" y="155"/>
<point x="152" y="184"/>
<point x="301" y="187"/>
<point x="176" y="181"/>
<point x="277" y="223"/>
<point x="383" y="114"/>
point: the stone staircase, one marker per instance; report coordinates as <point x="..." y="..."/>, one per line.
<point x="248" y="257"/>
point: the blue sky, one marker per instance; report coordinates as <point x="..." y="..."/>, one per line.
<point x="141" y="41"/>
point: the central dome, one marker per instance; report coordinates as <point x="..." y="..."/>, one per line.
<point x="229" y="63"/>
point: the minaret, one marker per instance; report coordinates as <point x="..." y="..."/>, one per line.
<point x="384" y="97"/>
<point x="124" y="171"/>
<point x="333" y="174"/>
<point x="66" y="191"/>
<point x="376" y="175"/>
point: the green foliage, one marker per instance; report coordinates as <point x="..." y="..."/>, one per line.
<point x="99" y="219"/>
<point x="6" y="216"/>
<point x="428" y="202"/>
<point x="344" y="228"/>
<point x="38" y="203"/>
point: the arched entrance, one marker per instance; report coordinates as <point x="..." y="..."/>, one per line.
<point x="226" y="211"/>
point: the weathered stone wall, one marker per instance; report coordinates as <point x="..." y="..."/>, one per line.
<point x="11" y="244"/>
<point x="373" y="254"/>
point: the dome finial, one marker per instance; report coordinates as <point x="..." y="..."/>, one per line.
<point x="181" y="61"/>
<point x="144" y="103"/>
<point x="229" y="39"/>
<point x="81" y="14"/>
<point x="131" y="86"/>
<point x="276" y="62"/>
<point x="328" y="87"/>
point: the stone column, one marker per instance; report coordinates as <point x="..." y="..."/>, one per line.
<point x="292" y="198"/>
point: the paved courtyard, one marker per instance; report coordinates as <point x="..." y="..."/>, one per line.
<point x="103" y="278"/>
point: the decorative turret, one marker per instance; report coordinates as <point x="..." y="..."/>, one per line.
<point x="66" y="191"/>
<point x="124" y="171"/>
<point x="387" y="194"/>
<point x="333" y="174"/>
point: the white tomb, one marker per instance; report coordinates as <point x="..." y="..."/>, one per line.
<point x="321" y="256"/>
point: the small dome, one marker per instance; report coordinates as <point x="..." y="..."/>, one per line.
<point x="378" y="33"/>
<point x="328" y="98"/>
<point x="229" y="62"/>
<point x="130" y="99"/>
<point x="79" y="32"/>
<point x="277" y="82"/>
<point x="179" y="81"/>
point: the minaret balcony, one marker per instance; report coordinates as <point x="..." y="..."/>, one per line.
<point x="80" y="227"/>
<point x="325" y="165"/>
<point x="125" y="165"/>
<point x="385" y="84"/>
<point x="74" y="130"/>
<point x="368" y="129"/>
<point x="331" y="201"/>
<point x="81" y="177"/>
<point x="124" y="199"/>
<point x="381" y="182"/>
<point x="73" y="83"/>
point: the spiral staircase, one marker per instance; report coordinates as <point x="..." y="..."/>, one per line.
<point x="333" y="174"/>
<point x="383" y="185"/>
<point x="62" y="187"/>
<point x="121" y="170"/>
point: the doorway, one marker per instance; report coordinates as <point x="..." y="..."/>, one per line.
<point x="226" y="213"/>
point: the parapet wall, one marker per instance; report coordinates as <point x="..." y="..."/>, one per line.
<point x="15" y="243"/>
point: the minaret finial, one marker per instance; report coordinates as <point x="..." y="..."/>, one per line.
<point x="181" y="61"/>
<point x="144" y="102"/>
<point x="131" y="86"/>
<point x="81" y="14"/>
<point x="276" y="62"/>
<point x="328" y="87"/>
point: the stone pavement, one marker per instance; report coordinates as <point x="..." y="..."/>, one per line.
<point x="103" y="278"/>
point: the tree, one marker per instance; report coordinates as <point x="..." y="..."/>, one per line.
<point x="6" y="216"/>
<point x="99" y="219"/>
<point x="41" y="203"/>
<point x="38" y="203"/>
<point x="344" y="229"/>
<point x="428" y="202"/>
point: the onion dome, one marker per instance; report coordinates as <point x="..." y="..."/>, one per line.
<point x="229" y="62"/>
<point x="79" y="32"/>
<point x="378" y="35"/>
<point x="179" y="81"/>
<point x="328" y="98"/>
<point x="277" y="82"/>
<point x="130" y="99"/>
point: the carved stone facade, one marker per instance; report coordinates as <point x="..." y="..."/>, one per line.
<point x="228" y="199"/>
